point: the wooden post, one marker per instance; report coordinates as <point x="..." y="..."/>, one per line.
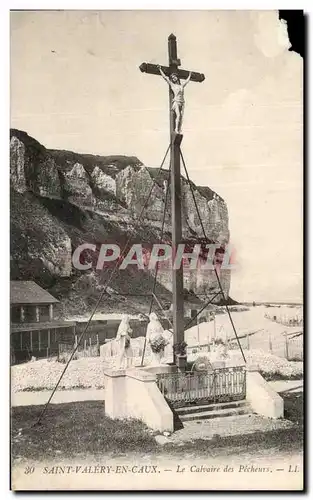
<point x="37" y="314"/>
<point x="49" y="340"/>
<point x="175" y="141"/>
<point x="248" y="341"/>
<point x="21" y="341"/>
<point x="270" y="341"/>
<point x="51" y="312"/>
<point x="31" y="340"/>
<point x="177" y="274"/>
<point x="39" y="340"/>
<point x="286" y="346"/>
<point x="198" y="331"/>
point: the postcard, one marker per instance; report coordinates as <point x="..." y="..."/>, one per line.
<point x="156" y="281"/>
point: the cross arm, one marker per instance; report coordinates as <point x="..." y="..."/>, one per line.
<point x="183" y="74"/>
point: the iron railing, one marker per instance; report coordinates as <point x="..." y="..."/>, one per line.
<point x="83" y="351"/>
<point x="219" y="385"/>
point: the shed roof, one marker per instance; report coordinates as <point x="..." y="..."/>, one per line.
<point x="28" y="292"/>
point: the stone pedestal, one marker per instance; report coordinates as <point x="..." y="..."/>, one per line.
<point x="156" y="358"/>
<point x="262" y="398"/>
<point x="134" y="393"/>
<point x="159" y="369"/>
<point x="115" y="393"/>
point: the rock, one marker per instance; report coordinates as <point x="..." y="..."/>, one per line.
<point x="38" y="238"/>
<point x="47" y="182"/>
<point x="132" y="186"/>
<point x="161" y="440"/>
<point x="76" y="185"/>
<point x="60" y="262"/>
<point x="103" y="181"/>
<point x="32" y="168"/>
<point x="166" y="433"/>
<point x="61" y="199"/>
<point x="17" y="165"/>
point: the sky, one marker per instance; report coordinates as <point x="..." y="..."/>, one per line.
<point x="75" y="84"/>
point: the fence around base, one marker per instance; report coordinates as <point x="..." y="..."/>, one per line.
<point x="82" y="351"/>
<point x="219" y="385"/>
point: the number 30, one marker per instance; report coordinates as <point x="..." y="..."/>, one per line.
<point x="29" y="470"/>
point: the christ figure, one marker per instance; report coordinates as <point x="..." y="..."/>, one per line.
<point x="178" y="103"/>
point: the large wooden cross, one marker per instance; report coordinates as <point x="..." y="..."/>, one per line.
<point x="178" y="282"/>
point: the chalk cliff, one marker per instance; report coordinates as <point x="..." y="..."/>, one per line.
<point x="60" y="199"/>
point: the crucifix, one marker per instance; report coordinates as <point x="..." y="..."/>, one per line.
<point x="172" y="74"/>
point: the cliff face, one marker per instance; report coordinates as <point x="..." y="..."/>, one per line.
<point x="60" y="199"/>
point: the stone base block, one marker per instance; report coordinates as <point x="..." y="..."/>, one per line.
<point x="160" y="369"/>
<point x="133" y="393"/>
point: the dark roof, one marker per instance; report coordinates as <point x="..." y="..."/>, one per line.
<point x="31" y="327"/>
<point x="28" y="292"/>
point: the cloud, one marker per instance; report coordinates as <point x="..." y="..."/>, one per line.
<point x="271" y="36"/>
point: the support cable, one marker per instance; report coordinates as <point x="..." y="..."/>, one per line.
<point x="157" y="267"/>
<point x="216" y="273"/>
<point x="119" y="296"/>
<point x="195" y="317"/>
<point x="101" y="294"/>
<point x="164" y="313"/>
<point x="202" y="309"/>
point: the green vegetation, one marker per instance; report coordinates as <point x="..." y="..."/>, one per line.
<point x="73" y="429"/>
<point x="81" y="429"/>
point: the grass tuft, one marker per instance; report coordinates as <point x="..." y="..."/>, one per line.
<point x="73" y="429"/>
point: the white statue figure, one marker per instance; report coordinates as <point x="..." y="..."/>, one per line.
<point x="123" y="339"/>
<point x="164" y="187"/>
<point x="156" y="339"/>
<point x="178" y="104"/>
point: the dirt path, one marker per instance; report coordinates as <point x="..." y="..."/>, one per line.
<point x="41" y="397"/>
